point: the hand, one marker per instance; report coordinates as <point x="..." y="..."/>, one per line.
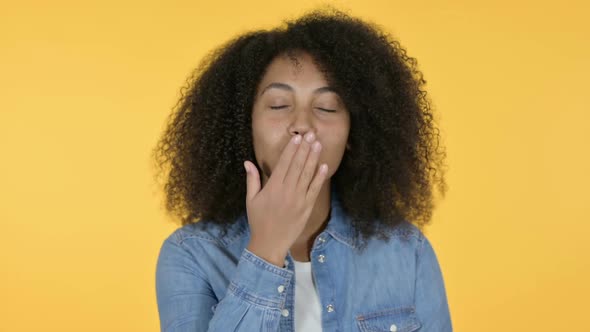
<point x="277" y="214"/>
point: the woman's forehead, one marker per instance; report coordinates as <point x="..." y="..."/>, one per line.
<point x="283" y="73"/>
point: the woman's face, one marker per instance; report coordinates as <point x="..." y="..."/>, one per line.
<point x="294" y="100"/>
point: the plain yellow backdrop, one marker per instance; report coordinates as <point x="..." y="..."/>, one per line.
<point x="85" y="89"/>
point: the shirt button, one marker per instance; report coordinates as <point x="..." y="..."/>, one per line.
<point x="286" y="262"/>
<point x="285" y="312"/>
<point x="281" y="288"/>
<point x="321" y="239"/>
<point x="393" y="328"/>
<point x="321" y="258"/>
<point x="330" y="308"/>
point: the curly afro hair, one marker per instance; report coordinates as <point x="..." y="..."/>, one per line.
<point x="394" y="159"/>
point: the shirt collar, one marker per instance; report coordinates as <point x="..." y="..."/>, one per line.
<point x="339" y="225"/>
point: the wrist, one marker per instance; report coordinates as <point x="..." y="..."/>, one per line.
<point x="272" y="257"/>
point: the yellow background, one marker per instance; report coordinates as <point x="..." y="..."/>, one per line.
<point x="85" y="89"/>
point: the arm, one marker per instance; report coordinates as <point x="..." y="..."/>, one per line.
<point x="430" y="295"/>
<point x="185" y="298"/>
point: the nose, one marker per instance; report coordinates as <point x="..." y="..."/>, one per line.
<point x="302" y="126"/>
<point x="309" y="136"/>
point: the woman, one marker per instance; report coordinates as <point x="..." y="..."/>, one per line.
<point x="298" y="157"/>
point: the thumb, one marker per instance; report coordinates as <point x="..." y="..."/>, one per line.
<point x="252" y="180"/>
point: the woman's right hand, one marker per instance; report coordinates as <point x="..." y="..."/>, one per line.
<point x="278" y="213"/>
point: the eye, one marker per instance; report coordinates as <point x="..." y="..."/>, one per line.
<point x="327" y="110"/>
<point x="283" y="106"/>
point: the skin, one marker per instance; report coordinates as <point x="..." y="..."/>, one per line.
<point x="304" y="112"/>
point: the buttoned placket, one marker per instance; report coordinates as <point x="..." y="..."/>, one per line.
<point x="322" y="258"/>
<point x="321" y="239"/>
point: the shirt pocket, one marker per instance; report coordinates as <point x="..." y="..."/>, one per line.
<point x="397" y="319"/>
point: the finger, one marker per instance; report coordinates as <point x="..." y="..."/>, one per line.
<point x="317" y="183"/>
<point x="280" y="170"/>
<point x="252" y="180"/>
<point x="310" y="167"/>
<point x="296" y="166"/>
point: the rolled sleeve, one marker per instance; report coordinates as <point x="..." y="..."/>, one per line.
<point x="187" y="303"/>
<point x="259" y="281"/>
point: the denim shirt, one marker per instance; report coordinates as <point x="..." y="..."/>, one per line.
<point x="209" y="282"/>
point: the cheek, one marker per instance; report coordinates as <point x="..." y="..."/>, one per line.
<point x="333" y="150"/>
<point x="335" y="145"/>
<point x="338" y="135"/>
<point x="267" y="136"/>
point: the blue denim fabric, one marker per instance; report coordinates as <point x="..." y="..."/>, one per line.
<point x="206" y="282"/>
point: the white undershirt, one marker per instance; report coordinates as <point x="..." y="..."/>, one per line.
<point x="308" y="309"/>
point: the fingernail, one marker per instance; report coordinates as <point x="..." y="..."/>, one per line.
<point x="317" y="146"/>
<point x="297" y="139"/>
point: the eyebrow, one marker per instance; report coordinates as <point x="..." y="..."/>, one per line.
<point x="287" y="87"/>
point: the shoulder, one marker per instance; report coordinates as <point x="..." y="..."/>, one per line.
<point x="209" y="231"/>
<point x="407" y="230"/>
<point x="406" y="233"/>
<point x="416" y="236"/>
<point x="402" y="239"/>
<point x="193" y="245"/>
